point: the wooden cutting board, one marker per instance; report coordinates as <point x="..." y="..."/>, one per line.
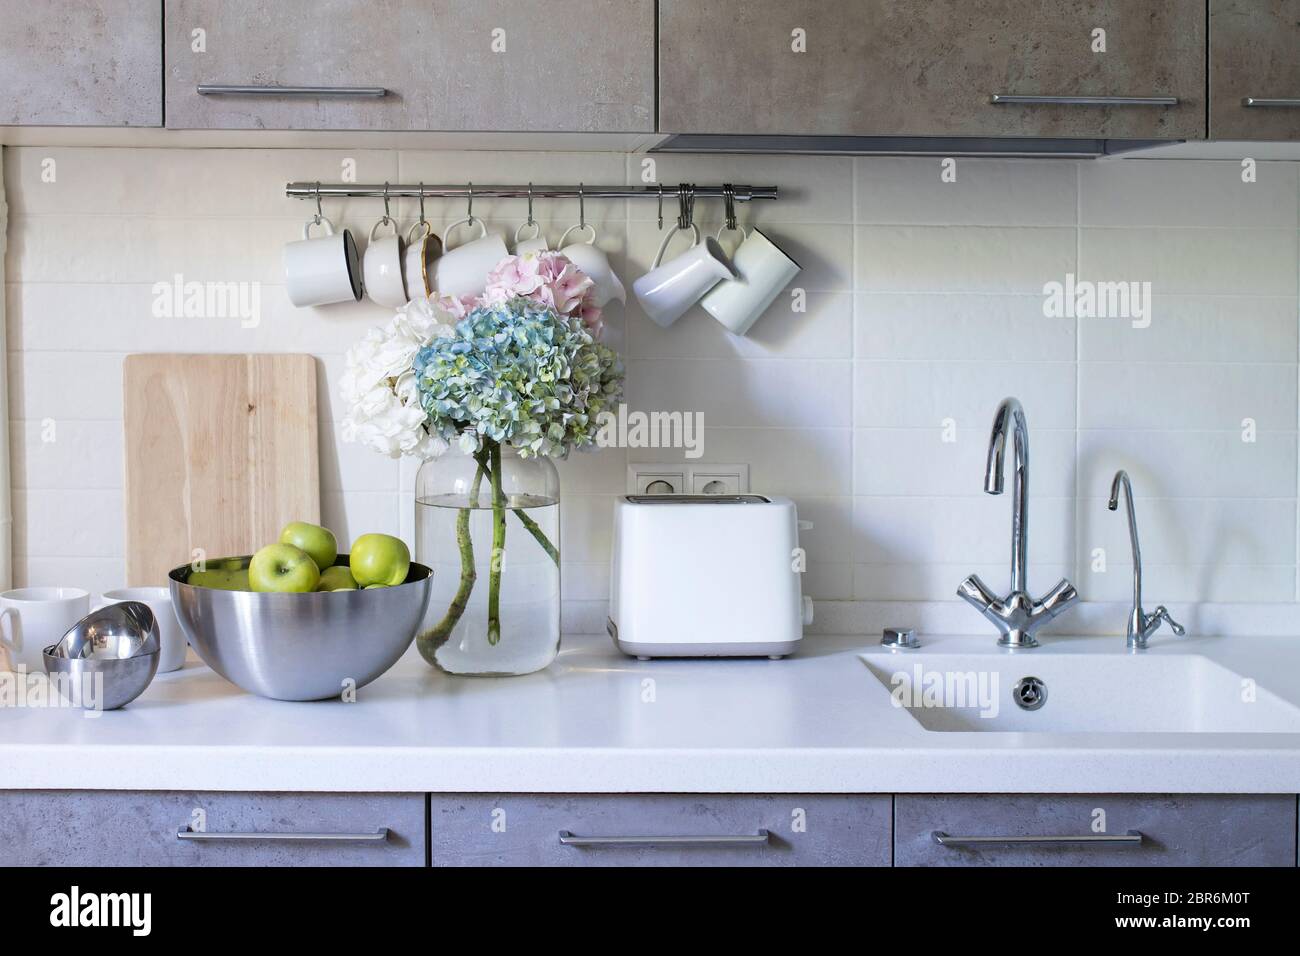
<point x="221" y="453"/>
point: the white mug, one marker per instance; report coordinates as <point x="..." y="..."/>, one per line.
<point x="322" y="270"/>
<point x="533" y="244"/>
<point x="463" y="270"/>
<point x="382" y="266"/>
<point x="763" y="271"/>
<point x="668" y="290"/>
<point x="31" y="619"/>
<point x="170" y="635"/>
<point x="420" y="254"/>
<point x="606" y="284"/>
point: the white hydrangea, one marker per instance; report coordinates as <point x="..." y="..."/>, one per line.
<point x="378" y="385"/>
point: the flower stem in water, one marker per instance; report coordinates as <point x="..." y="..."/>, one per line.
<point x="498" y="548"/>
<point x="429" y="641"/>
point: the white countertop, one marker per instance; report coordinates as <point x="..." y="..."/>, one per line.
<point x="596" y="721"/>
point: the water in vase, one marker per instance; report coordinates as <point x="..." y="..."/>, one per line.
<point x="529" y="590"/>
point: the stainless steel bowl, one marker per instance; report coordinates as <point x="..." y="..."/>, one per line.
<point x="300" y="646"/>
<point x="114" y="632"/>
<point x="101" y="682"/>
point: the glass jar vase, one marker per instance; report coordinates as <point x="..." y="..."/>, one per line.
<point x="489" y="526"/>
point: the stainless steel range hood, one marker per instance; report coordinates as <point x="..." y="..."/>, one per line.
<point x="906" y="145"/>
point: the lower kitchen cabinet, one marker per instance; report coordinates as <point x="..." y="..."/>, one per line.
<point x="468" y="829"/>
<point x="1184" y="830"/>
<point x="138" y="828"/>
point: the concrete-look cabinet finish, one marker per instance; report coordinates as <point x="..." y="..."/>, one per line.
<point x="90" y="63"/>
<point x="902" y="68"/>
<point x="495" y="65"/>
<point x="138" y="828"/>
<point x="524" y="829"/>
<point x="1254" y="52"/>
<point x="1184" y="830"/>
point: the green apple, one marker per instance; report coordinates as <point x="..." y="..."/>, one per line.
<point x="380" y="559"/>
<point x="316" y="541"/>
<point x="282" y="567"/>
<point x="336" y="578"/>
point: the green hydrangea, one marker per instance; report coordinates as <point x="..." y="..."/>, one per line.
<point x="519" y="374"/>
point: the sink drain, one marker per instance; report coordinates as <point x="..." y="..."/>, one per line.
<point x="1030" y="693"/>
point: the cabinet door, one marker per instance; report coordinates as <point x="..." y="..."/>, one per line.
<point x="1255" y="56"/>
<point x="91" y="63"/>
<point x="557" y="65"/>
<point x="659" y="830"/>
<point x="138" y="828"/>
<point x="902" y="67"/>
<point x="1188" y="830"/>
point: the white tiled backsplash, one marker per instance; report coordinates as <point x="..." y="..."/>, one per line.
<point x="924" y="309"/>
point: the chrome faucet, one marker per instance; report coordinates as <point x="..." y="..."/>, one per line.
<point x="1017" y="616"/>
<point x="1140" y="626"/>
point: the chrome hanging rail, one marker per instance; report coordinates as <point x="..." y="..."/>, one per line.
<point x="739" y="193"/>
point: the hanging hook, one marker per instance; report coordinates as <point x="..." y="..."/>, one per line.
<point x="531" y="220"/>
<point x="661" y="207"/>
<point x="469" y="210"/>
<point x="729" y="205"/>
<point x="422" y="218"/>
<point x="387" y="217"/>
<point x="582" y="208"/>
<point x="686" y="205"/>
<point x="319" y="214"/>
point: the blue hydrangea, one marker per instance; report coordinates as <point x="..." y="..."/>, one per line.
<point x="519" y="374"/>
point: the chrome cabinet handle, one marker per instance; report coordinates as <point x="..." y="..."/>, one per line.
<point x="1008" y="98"/>
<point x="378" y="836"/>
<point x="1283" y="102"/>
<point x="761" y="838"/>
<point x="1131" y="838"/>
<point x="210" y="89"/>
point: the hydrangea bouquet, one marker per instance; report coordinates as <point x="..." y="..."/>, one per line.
<point x="520" y="365"/>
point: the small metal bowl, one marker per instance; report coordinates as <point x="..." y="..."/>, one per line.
<point x="101" y="683"/>
<point x="114" y="632"/>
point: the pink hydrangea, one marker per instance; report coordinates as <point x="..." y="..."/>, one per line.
<point x="549" y="278"/>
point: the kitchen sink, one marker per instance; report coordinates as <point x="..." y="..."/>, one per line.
<point x="1078" y="693"/>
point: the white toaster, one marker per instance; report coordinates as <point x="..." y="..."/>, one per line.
<point x="706" y="576"/>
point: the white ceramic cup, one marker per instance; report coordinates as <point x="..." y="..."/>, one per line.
<point x="31" y="619"/>
<point x="668" y="290"/>
<point x="463" y="270"/>
<point x="322" y="270"/>
<point x="606" y="285"/>
<point x="535" y="243"/>
<point x="171" y="637"/>
<point x="421" y="251"/>
<point x="382" y="267"/>
<point x="763" y="270"/>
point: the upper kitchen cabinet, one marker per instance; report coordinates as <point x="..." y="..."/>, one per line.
<point x="1255" y="69"/>
<point x="934" y="68"/>
<point x="476" y="65"/>
<point x="91" y="63"/>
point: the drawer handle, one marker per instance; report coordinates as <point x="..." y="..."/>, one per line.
<point x="378" y="836"/>
<point x="210" y="89"/>
<point x="761" y="838"/>
<point x="1012" y="98"/>
<point x="1282" y="102"/>
<point x="1131" y="838"/>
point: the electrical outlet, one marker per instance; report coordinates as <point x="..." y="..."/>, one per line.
<point x="697" y="478"/>
<point x="653" y="478"/>
<point x="706" y="479"/>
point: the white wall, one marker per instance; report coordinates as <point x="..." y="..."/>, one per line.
<point x="924" y="305"/>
